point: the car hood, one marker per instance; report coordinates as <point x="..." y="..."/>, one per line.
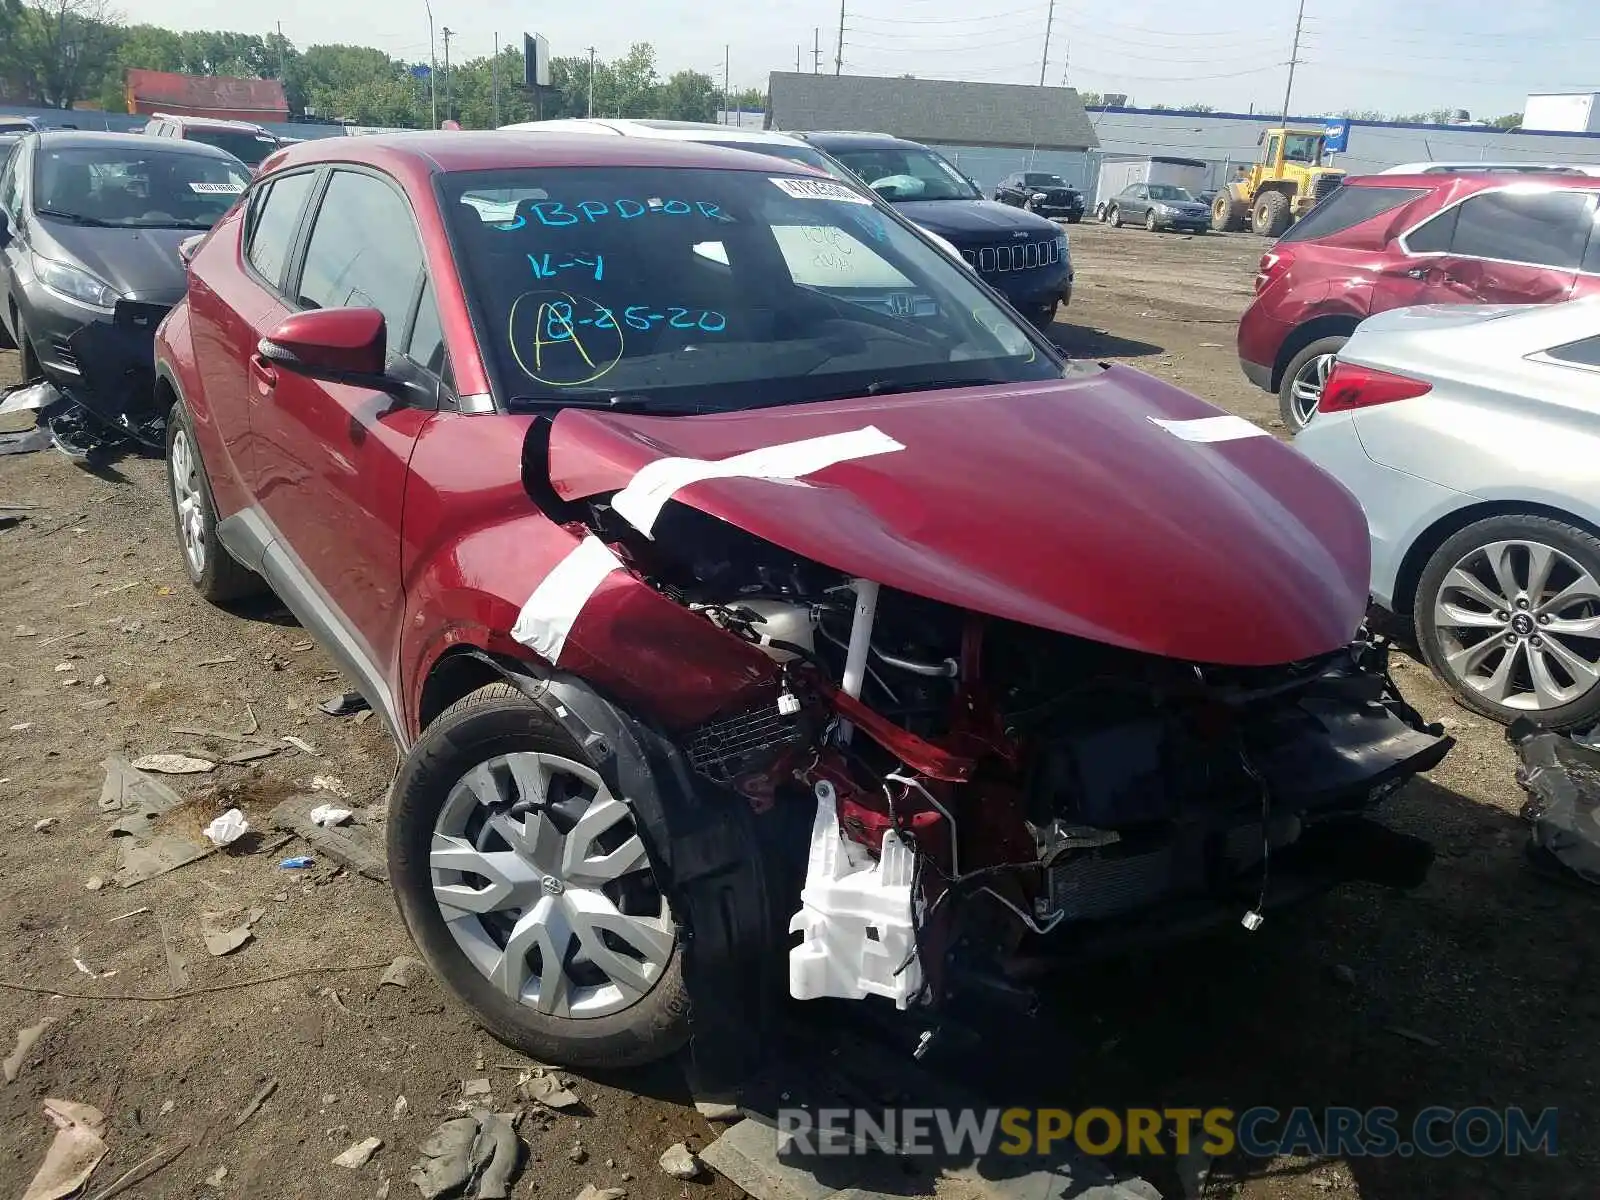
<point x="1062" y="505"/>
<point x="142" y="263"/>
<point x="1183" y="206"/>
<point x="966" y="218"/>
<point x="1420" y="318"/>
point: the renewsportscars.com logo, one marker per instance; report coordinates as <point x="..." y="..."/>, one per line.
<point x="1260" y="1132"/>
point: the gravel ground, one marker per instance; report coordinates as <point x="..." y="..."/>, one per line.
<point x="1488" y="972"/>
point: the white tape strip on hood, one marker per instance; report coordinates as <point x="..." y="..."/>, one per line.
<point x="1225" y="428"/>
<point x="548" y="616"/>
<point x="641" y="501"/>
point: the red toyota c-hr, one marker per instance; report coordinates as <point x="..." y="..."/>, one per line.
<point x="729" y="561"/>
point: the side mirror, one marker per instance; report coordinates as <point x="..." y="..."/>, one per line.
<point x="337" y="345"/>
<point x="189" y="247"/>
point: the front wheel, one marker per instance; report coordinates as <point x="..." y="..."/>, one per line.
<point x="1300" y="390"/>
<point x="214" y="572"/>
<point x="1150" y="221"/>
<point x="1115" y="217"/>
<point x="1045" y="316"/>
<point x="1073" y="220"/>
<point x="1508" y="616"/>
<point x="528" y="887"/>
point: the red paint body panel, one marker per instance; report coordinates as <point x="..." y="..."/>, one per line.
<point x="334" y="339"/>
<point x="1059" y="505"/>
<point x="1356" y="272"/>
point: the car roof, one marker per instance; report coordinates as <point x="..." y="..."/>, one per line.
<point x="75" y="139"/>
<point x="849" y="139"/>
<point x="1465" y="182"/>
<point x="1529" y="168"/>
<point x="680" y="131"/>
<point x="430" y="152"/>
<point x="207" y="122"/>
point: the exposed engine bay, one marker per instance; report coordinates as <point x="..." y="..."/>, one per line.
<point x="989" y="794"/>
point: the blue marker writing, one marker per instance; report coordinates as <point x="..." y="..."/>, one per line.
<point x="557" y="213"/>
<point x="676" y="208"/>
<point x="592" y="209"/>
<point x="638" y="209"/>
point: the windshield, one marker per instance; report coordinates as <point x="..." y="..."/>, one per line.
<point x="1034" y="179"/>
<point x="900" y="174"/>
<point x="1303" y="148"/>
<point x="99" y="185"/>
<point x="248" y="147"/>
<point x="1169" y="191"/>
<point x="678" y="290"/>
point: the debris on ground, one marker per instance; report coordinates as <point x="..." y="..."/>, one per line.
<point x="1561" y="775"/>
<point x="353" y="846"/>
<point x="590" y="1192"/>
<point x="174" y="764"/>
<point x="256" y="1102"/>
<point x="44" y="823"/>
<point x="302" y="745"/>
<point x="74" y="1153"/>
<point x="1344" y="974"/>
<point x="228" y="828"/>
<point x="403" y="971"/>
<point x="299" y="862"/>
<point x="24" y="441"/>
<point x="328" y="815"/>
<point x="156" y="857"/>
<point x="578" y="1154"/>
<point x="222" y="939"/>
<point x="679" y="1162"/>
<point x="345" y="705"/>
<point x="216" y="1178"/>
<point x="1411" y="1035"/>
<point x="330" y="783"/>
<point x="548" y="1091"/>
<point x="401" y="1107"/>
<point x="717" y="1110"/>
<point x="476" y="1087"/>
<point x="28" y="396"/>
<point x="26" y="1038"/>
<point x="250" y="754"/>
<point x="142" y="1170"/>
<point x="359" y="1154"/>
<point x="476" y="1154"/>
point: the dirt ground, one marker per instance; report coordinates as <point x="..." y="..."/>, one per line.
<point x="1488" y="973"/>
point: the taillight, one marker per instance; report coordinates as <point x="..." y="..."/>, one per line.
<point x="1273" y="262"/>
<point x="1350" y="386"/>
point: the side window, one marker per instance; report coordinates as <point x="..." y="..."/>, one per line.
<point x="1580" y="354"/>
<point x="363" y="251"/>
<point x="11" y="182"/>
<point x="1434" y="237"/>
<point x="274" y="214"/>
<point x="1544" y="228"/>
<point x="1272" y="151"/>
<point x="426" y="347"/>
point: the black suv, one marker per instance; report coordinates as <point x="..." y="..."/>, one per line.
<point x="1043" y="193"/>
<point x="1022" y="256"/>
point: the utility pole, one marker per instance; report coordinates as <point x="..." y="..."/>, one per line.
<point x="494" y="80"/>
<point x="838" y="57"/>
<point x="281" y="53"/>
<point x="816" y="50"/>
<point x="1066" y="57"/>
<point x="726" y="52"/>
<point x="1044" y="60"/>
<point x="447" y="34"/>
<point x="1294" y="60"/>
<point x="797" y="58"/>
<point x="433" y="69"/>
<point x="591" y="81"/>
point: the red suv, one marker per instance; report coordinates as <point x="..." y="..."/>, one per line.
<point x="729" y="561"/>
<point x="1386" y="241"/>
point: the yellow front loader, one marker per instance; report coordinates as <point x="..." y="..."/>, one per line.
<point x="1280" y="188"/>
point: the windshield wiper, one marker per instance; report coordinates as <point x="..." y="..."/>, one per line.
<point x="75" y="218"/>
<point x="622" y="403"/>
<point x="888" y="387"/>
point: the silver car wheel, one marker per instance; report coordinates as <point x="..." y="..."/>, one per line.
<point x="1519" y="624"/>
<point x="184" y="465"/>
<point x="543" y="881"/>
<point x="1307" y="387"/>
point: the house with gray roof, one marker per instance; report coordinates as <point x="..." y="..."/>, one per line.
<point x="989" y="130"/>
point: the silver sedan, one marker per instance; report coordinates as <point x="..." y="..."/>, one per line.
<point x="1471" y="436"/>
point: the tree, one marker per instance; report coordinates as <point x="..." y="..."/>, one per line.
<point x="62" y="49"/>
<point x="688" y="96"/>
<point x="1361" y="114"/>
<point x="1091" y="99"/>
<point x="1509" y="121"/>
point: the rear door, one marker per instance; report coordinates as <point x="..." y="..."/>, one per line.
<point x="1518" y="244"/>
<point x="1137" y="204"/>
<point x="331" y="459"/>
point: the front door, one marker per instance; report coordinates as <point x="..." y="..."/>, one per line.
<point x="331" y="459"/>
<point x="1502" y="246"/>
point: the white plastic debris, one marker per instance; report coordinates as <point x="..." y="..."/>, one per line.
<point x="680" y="1163"/>
<point x="328" y="816"/>
<point x="228" y="828"/>
<point x="857" y="921"/>
<point x="174" y="764"/>
<point x="359" y="1154"/>
<point x="329" y="783"/>
<point x="35" y="396"/>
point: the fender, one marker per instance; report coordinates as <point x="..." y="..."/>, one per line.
<point x="175" y="368"/>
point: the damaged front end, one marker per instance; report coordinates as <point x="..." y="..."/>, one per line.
<point x="985" y="795"/>
<point x="109" y="405"/>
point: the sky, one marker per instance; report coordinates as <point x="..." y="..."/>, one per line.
<point x="1481" y="55"/>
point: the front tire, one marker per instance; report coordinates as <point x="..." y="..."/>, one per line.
<point x="1115" y="217"/>
<point x="1150" y="222"/>
<point x="1270" y="216"/>
<point x="214" y="572"/>
<point x="1227" y="214"/>
<point x="528" y="888"/>
<point x="1303" y="380"/>
<point x="1508" y="616"/>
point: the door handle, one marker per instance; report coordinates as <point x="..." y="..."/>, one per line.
<point x="264" y="374"/>
<point x="1417" y="273"/>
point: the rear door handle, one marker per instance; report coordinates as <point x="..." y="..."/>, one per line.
<point x="1417" y="273"/>
<point x="264" y="374"/>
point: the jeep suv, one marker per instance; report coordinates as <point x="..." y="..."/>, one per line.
<point x="246" y="142"/>
<point x="1387" y="241"/>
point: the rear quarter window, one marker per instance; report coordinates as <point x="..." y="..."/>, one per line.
<point x="1348" y="207"/>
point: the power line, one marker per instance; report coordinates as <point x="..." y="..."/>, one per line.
<point x="983" y="19"/>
